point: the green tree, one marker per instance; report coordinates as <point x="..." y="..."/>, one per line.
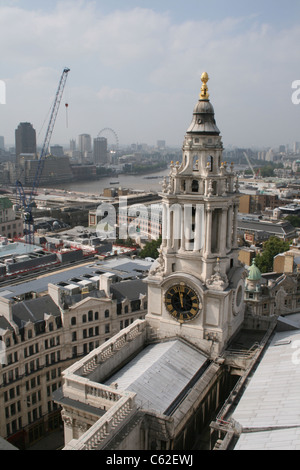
<point x="271" y="248"/>
<point x="293" y="220"/>
<point x="151" y="249"/>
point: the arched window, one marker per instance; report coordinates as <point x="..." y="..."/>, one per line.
<point x="106" y="313"/>
<point x="84" y="318"/>
<point x="73" y="321"/>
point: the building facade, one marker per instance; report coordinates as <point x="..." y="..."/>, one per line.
<point x="41" y="334"/>
<point x="100" y="151"/>
<point x="11" y="225"/>
<point x="25" y="138"/>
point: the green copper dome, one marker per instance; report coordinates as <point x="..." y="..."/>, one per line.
<point x="254" y="272"/>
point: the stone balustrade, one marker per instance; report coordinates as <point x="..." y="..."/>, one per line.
<point x="107" y="426"/>
<point x="99" y="355"/>
<point x="83" y="386"/>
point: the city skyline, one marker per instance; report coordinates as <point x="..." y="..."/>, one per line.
<point x="136" y="68"/>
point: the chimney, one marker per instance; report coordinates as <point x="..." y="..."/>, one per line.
<point x="105" y="283"/>
<point x="6" y="309"/>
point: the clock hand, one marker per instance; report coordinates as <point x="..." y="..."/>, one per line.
<point x="181" y="299"/>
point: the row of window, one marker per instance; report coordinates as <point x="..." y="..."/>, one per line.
<point x="39" y="328"/>
<point x="90" y="316"/>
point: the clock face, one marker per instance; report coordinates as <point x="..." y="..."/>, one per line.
<point x="182" y="302"/>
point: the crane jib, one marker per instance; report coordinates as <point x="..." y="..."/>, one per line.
<point x="26" y="203"/>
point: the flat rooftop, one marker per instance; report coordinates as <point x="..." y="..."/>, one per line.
<point x="160" y="373"/>
<point x="269" y="410"/>
<point x="123" y="268"/>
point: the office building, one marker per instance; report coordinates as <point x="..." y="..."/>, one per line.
<point x="25" y="138"/>
<point x="100" y="151"/>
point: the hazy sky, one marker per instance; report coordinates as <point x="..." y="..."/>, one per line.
<point x="136" y="67"/>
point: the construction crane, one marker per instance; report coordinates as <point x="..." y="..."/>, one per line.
<point x="249" y="163"/>
<point x="26" y="201"/>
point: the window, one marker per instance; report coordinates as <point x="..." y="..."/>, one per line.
<point x="135" y="305"/>
<point x="83" y="318"/>
<point x="90" y="315"/>
<point x="73" y="321"/>
<point x="107" y="328"/>
<point x="195" y="186"/>
<point x="106" y="313"/>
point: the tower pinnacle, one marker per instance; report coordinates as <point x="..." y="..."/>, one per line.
<point x="204" y="95"/>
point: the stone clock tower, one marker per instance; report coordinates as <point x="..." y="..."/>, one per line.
<point x="196" y="286"/>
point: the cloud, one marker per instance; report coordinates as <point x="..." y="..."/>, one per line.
<point x="139" y="71"/>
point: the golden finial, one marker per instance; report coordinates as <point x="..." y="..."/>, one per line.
<point x="204" y="95"/>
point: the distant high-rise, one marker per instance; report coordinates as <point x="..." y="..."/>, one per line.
<point x="25" y="137"/>
<point x="72" y="145"/>
<point x="2" y="143"/>
<point x="57" y="150"/>
<point x="161" y="144"/>
<point x="100" y="150"/>
<point x="84" y="144"/>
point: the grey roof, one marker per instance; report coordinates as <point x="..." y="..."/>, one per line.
<point x="33" y="310"/>
<point x="128" y="289"/>
<point x="269" y="410"/>
<point x="4" y="324"/>
<point x="284" y="228"/>
<point x="5" y="445"/>
<point x="122" y="267"/>
<point x="160" y="373"/>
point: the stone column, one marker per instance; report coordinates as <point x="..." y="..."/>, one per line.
<point x="234" y="241"/>
<point x="198" y="228"/>
<point x="229" y="228"/>
<point x="182" y="244"/>
<point x="169" y="228"/>
<point x="208" y="223"/>
<point x="223" y="231"/>
<point x="164" y="225"/>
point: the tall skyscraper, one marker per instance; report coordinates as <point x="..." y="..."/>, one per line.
<point x="84" y="145"/>
<point x="2" y="147"/>
<point x="100" y="150"/>
<point x="25" y="138"/>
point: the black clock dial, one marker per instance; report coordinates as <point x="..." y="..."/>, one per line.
<point x="182" y="302"/>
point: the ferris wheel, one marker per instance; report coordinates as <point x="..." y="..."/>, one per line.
<point x="111" y="132"/>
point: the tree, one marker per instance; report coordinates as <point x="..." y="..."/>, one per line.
<point x="151" y="249"/>
<point x="271" y="248"/>
<point x="294" y="220"/>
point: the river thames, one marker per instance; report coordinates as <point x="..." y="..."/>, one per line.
<point x="148" y="182"/>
